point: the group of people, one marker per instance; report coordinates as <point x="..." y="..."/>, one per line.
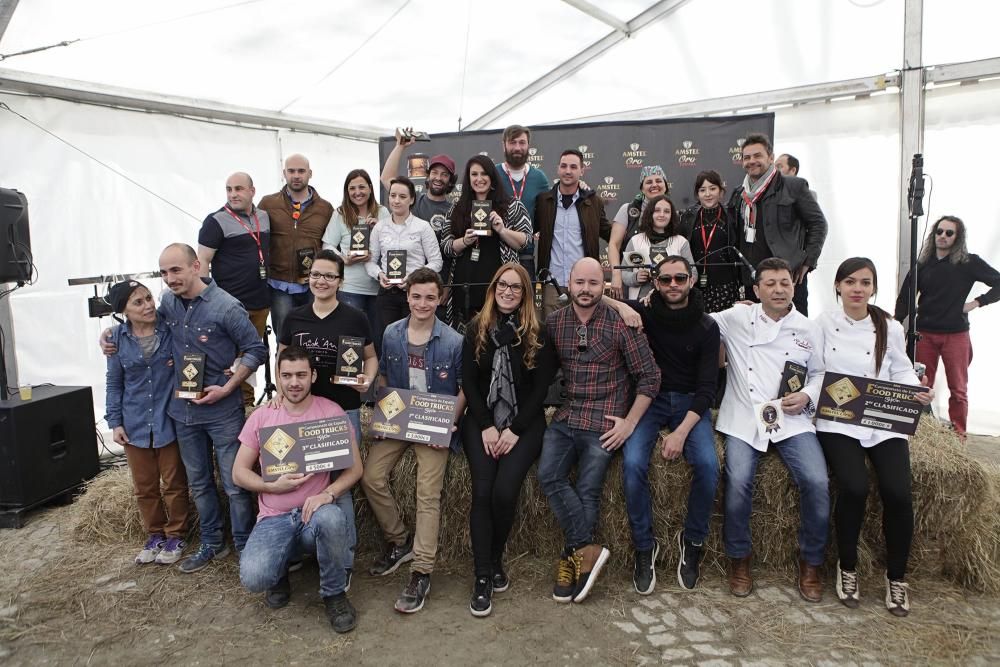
<point x="630" y="367"/>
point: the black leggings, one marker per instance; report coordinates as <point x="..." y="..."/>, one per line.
<point x="496" y="485"/>
<point x="891" y="461"/>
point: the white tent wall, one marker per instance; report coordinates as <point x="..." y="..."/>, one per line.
<point x="89" y="221"/>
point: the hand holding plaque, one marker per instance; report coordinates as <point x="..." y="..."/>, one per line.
<point x="191" y="376"/>
<point x="360" y="238"/>
<point x="414" y="416"/>
<point x="481" y="218"/>
<point x="395" y="266"/>
<point x="321" y="445"/>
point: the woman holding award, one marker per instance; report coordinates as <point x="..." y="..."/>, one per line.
<point x="486" y="229"/>
<point x="358" y="212"/>
<point x="507" y="364"/>
<point x="862" y="339"/>
<point x="652" y="182"/>
<point x="658" y="228"/>
<point x="399" y="246"/>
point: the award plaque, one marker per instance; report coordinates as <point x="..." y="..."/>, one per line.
<point x="395" y="266"/>
<point x="793" y="378"/>
<point x="481" y="218"/>
<point x="657" y="254"/>
<point x="360" y="236"/>
<point x="350" y="356"/>
<point x="191" y="376"/>
<point x="320" y="445"/>
<point x="305" y="257"/>
<point x="414" y="416"/>
<point x="886" y="406"/>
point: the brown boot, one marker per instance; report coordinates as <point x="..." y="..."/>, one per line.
<point x="590" y="560"/>
<point x="810" y="584"/>
<point x="740" y="581"/>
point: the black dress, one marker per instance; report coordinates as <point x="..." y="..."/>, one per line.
<point x="710" y="234"/>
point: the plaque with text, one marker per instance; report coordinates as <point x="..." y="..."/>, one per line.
<point x="481" y="218"/>
<point x="657" y="254"/>
<point x="886" y="406"/>
<point x="395" y="266"/>
<point x="320" y="445"/>
<point x="793" y="378"/>
<point x="305" y="258"/>
<point x="360" y="237"/>
<point x="414" y="416"/>
<point x="191" y="376"/>
<point x="350" y="357"/>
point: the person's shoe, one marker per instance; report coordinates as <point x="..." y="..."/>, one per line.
<point x="689" y="564"/>
<point x="340" y="612"/>
<point x="565" y="580"/>
<point x="200" y="559"/>
<point x="810" y="583"/>
<point x="171" y="551"/>
<point x="278" y="597"/>
<point x="644" y="577"/>
<point x="150" y="550"/>
<point x="348" y="572"/>
<point x="589" y="561"/>
<point x="847" y="587"/>
<point x="740" y="580"/>
<point x="501" y="581"/>
<point x="411" y="600"/>
<point x="394" y="556"/>
<point x="482" y="594"/>
<point x="897" y="599"/>
<point x="295" y="565"/>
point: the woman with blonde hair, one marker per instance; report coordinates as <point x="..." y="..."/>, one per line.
<point x="507" y="366"/>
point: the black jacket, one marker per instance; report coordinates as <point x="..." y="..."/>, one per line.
<point x="943" y="288"/>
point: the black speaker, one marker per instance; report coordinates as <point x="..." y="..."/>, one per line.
<point x="48" y="445"/>
<point x="15" y="241"/>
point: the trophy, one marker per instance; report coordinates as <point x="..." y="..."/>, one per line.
<point x="481" y="218"/>
<point x="350" y="353"/>
<point x="191" y="376"/>
<point x="395" y="266"/>
<point x="360" y="236"/>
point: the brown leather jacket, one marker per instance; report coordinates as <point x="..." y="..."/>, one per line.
<point x="288" y="238"/>
<point x="594" y="224"/>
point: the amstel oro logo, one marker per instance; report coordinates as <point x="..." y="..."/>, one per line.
<point x="608" y="190"/>
<point x="588" y="155"/>
<point x="535" y="157"/>
<point x="687" y="154"/>
<point x="634" y="156"/>
<point x="736" y="152"/>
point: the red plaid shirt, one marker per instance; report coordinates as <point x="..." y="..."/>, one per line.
<point x="604" y="378"/>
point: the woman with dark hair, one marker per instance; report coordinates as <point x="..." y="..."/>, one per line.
<point x="477" y="254"/>
<point x="708" y="227"/>
<point x="358" y="207"/>
<point x="862" y="339"/>
<point x="652" y="182"/>
<point x="507" y="366"/>
<point x="659" y="228"/>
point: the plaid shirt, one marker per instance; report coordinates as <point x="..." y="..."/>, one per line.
<point x="604" y="378"/>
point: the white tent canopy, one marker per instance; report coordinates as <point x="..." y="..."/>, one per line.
<point x="326" y="78"/>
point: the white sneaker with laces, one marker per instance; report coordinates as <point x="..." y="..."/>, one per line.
<point x="897" y="599"/>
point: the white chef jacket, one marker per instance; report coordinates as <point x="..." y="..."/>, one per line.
<point x="849" y="348"/>
<point x="757" y="348"/>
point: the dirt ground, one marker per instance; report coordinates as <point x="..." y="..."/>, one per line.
<point x="63" y="602"/>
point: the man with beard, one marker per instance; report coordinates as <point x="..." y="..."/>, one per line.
<point x="521" y="180"/>
<point x="685" y="343"/>
<point x="299" y="217"/>
<point x="610" y="381"/>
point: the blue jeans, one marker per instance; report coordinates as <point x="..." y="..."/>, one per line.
<point x="282" y="303"/>
<point x="575" y="508"/>
<point x="803" y="457"/>
<point x="275" y="539"/>
<point x="669" y="409"/>
<point x="197" y="442"/>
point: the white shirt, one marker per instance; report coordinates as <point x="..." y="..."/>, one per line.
<point x="757" y="348"/>
<point x="415" y="236"/>
<point x="849" y="348"/>
<point x="337" y="237"/>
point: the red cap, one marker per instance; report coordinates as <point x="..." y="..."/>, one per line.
<point x="443" y="160"/>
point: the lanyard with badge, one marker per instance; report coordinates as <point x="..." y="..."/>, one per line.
<point x="513" y="188"/>
<point x="256" y="238"/>
<point x="703" y="278"/>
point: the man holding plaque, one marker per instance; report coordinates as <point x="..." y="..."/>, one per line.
<point x="419" y="353"/>
<point x="760" y="342"/>
<point x="311" y="512"/>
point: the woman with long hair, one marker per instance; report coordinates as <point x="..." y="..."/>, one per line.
<point x="652" y="182"/>
<point x="358" y="207"/>
<point x="658" y="227"/>
<point x="708" y="227"/>
<point x="507" y="366"/>
<point x="478" y="256"/>
<point x="862" y="339"/>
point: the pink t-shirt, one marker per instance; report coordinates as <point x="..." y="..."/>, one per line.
<point x="273" y="504"/>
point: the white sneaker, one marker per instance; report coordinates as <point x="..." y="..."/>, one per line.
<point x="171" y="551"/>
<point x="847" y="587"/>
<point x="150" y="550"/>
<point x="897" y="599"/>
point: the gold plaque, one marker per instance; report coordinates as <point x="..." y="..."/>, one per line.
<point x="842" y="391"/>
<point x="190" y="372"/>
<point x="391" y="405"/>
<point x="395" y="264"/>
<point x="794" y="383"/>
<point x="279" y="444"/>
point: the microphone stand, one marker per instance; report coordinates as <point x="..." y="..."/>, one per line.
<point x="915" y="202"/>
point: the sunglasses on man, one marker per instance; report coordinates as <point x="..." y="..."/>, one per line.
<point x="947" y="232"/>
<point x="666" y="278"/>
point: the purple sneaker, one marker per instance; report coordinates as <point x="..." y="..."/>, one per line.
<point x="150" y="550"/>
<point x="171" y="551"/>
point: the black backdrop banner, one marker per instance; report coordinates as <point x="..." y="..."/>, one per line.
<point x="613" y="153"/>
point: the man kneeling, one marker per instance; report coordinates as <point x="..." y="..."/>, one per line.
<point x="298" y="513"/>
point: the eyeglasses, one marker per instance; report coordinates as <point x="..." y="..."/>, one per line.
<point x="328" y="277"/>
<point x="666" y="278"/>
<point x="947" y="232"/>
<point x="581" y="332"/>
<point x="515" y="288"/>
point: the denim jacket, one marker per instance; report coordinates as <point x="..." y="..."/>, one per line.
<point x="442" y="361"/>
<point x="216" y="325"/>
<point x="139" y="389"/>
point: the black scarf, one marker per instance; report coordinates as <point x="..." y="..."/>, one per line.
<point x="681" y="319"/>
<point x="655" y="237"/>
